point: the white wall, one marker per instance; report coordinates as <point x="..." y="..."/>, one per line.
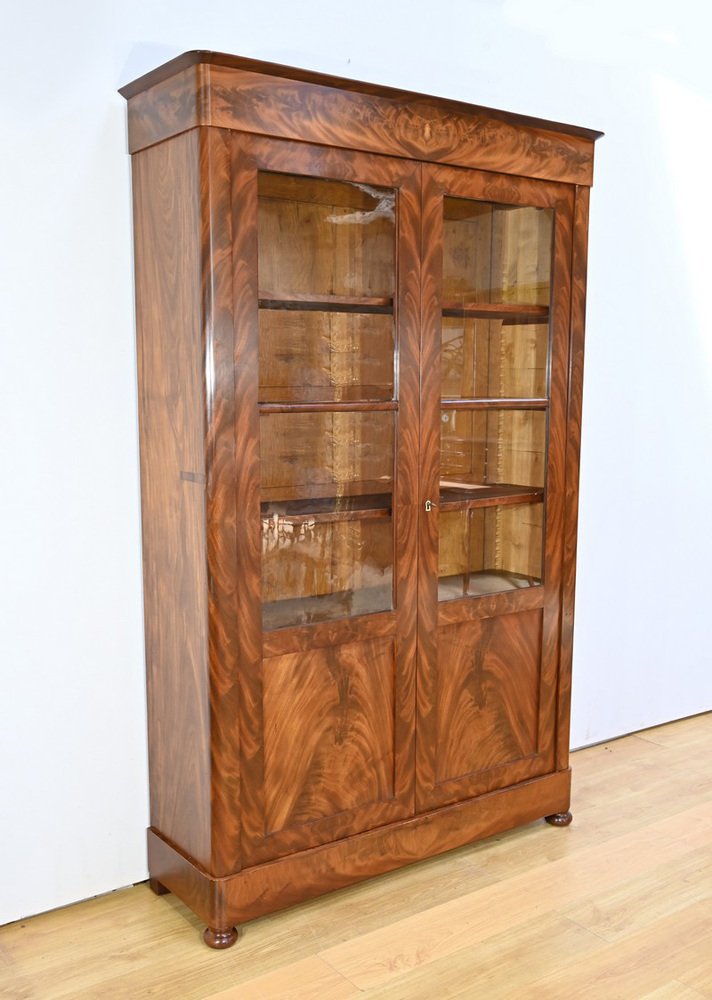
<point x="72" y="758"/>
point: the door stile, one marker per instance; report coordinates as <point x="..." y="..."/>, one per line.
<point x="573" y="419"/>
<point x="430" y="312"/>
<point x="217" y="288"/>
<point x="406" y="492"/>
<point x="556" y="469"/>
<point x="249" y="808"/>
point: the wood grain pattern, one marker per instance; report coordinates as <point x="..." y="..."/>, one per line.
<point x="326" y="334"/>
<point x="267" y="887"/>
<point x="329" y="733"/>
<point x="532" y="463"/>
<point x="370" y="119"/>
<point x="431" y="383"/>
<point x="207" y="58"/>
<point x="221" y="510"/>
<point x="262" y="785"/>
<point x="172" y="413"/>
<point x="184" y="323"/>
<point x="573" y="420"/>
<point x="488" y="695"/>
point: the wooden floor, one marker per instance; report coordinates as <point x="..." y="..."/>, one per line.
<point x="619" y="905"/>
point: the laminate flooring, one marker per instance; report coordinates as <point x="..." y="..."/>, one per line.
<point x="618" y="906"/>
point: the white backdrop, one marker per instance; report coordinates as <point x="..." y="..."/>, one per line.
<point x="73" y="793"/>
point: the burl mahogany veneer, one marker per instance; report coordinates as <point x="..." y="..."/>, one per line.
<point x="360" y="318"/>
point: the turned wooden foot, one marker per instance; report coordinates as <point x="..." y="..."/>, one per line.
<point x="157" y="887"/>
<point x="220" y="937"/>
<point x="559" y="819"/>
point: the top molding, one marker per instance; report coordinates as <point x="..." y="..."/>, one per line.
<point x="247" y="95"/>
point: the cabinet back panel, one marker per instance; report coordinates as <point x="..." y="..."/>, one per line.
<point x="325" y="454"/>
<point x="330" y="356"/>
<point x="496" y="253"/>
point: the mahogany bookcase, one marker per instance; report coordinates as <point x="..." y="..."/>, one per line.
<point x="360" y="320"/>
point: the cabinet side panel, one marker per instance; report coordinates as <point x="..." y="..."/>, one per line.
<point x="172" y="420"/>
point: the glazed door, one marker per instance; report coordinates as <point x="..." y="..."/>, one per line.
<point x="495" y="336"/>
<point x="327" y="273"/>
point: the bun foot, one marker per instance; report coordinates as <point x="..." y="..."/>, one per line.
<point x="220" y="937"/>
<point x="157" y="887"/>
<point x="559" y="819"/>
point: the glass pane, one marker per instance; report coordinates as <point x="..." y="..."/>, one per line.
<point x="326" y="284"/>
<point x="493" y="467"/>
<point x="496" y="253"/>
<point x="322" y="237"/>
<point x="325" y="356"/>
<point x="488" y="447"/>
<point x="327" y="533"/>
<point x="485" y="550"/>
<point x="485" y="358"/>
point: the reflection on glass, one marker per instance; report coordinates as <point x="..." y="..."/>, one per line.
<point x="496" y="253"/>
<point x="316" y="571"/>
<point x="324" y="238"/>
<point x="327" y="534"/>
<point x="486" y="550"/>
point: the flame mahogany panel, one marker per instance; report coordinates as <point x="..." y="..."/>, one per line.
<point x="252" y="97"/>
<point x="487" y="704"/>
<point x="328" y="725"/>
<point x="222" y="902"/>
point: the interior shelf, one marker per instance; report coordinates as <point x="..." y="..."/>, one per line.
<point x="460" y="496"/>
<point x="481" y="582"/>
<point x="514" y="313"/>
<point x="330" y="406"/>
<point x="311" y="302"/>
<point x="325" y="509"/>
<point x="326" y="607"/>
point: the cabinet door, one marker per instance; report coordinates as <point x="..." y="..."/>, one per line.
<point x="495" y="354"/>
<point x="326" y="292"/>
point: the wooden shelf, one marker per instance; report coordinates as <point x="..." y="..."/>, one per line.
<point x="494" y="403"/>
<point x="487" y="495"/>
<point x="481" y="582"/>
<point x="326" y="607"/>
<point x="322" y="510"/>
<point x="312" y="302"/>
<point x="325" y="395"/>
<point x="512" y="313"/>
<point x="367" y="406"/>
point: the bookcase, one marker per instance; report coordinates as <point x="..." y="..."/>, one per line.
<point x="360" y="325"/>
